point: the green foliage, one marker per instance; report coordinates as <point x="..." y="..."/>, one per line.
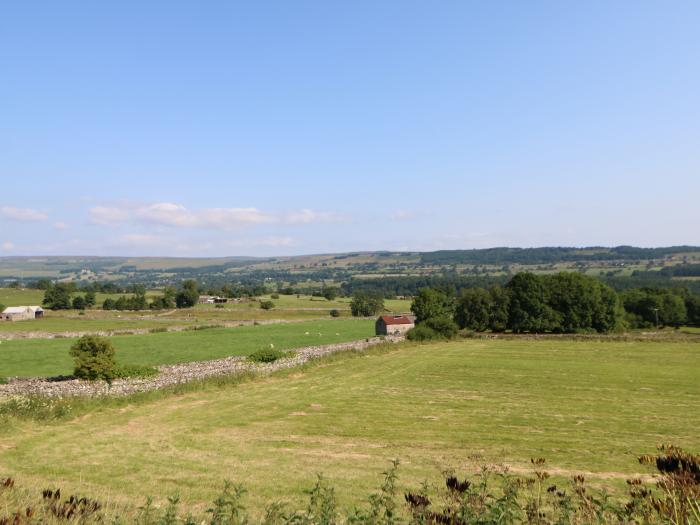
<point x="432" y="303"/>
<point x="366" y="304"/>
<point x="529" y="309"/>
<point x="267" y="305"/>
<point x="421" y="333"/>
<point x="655" y="306"/>
<point x="58" y="296"/>
<point x="267" y="355"/>
<point x="334" y="313"/>
<point x="474" y="309"/>
<point x="94" y="358"/>
<point x="330" y="292"/>
<point x="444" y="327"/>
<point x="126" y="371"/>
<point x="90" y="299"/>
<point x="228" y="507"/>
<point x="188" y="296"/>
<point x="2" y="307"/>
<point x="275" y="296"/>
<point x="79" y="302"/>
<point x="109" y="304"/>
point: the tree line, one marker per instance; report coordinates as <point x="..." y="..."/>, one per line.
<point x="564" y="302"/>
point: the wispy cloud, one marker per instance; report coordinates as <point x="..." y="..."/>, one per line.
<point x="60" y="225"/>
<point x="22" y="214"/>
<point x="7" y="246"/>
<point x="178" y="216"/>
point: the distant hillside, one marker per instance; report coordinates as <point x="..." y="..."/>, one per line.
<point x="550" y="255"/>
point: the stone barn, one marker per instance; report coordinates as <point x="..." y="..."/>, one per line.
<point x="22" y="313"/>
<point x="393" y="325"/>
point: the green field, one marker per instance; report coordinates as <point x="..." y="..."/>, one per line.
<point x="588" y="407"/>
<point x="49" y="357"/>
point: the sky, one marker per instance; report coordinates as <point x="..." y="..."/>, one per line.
<point x="173" y="128"/>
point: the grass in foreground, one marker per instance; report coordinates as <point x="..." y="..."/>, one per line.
<point x="589" y="407"/>
<point x="49" y="357"/>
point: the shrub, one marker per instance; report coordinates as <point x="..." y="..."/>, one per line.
<point x="125" y="371"/>
<point x="79" y="302"/>
<point x="421" y="332"/>
<point x="267" y="305"/>
<point x="275" y="296"/>
<point x="109" y="304"/>
<point x="219" y="305"/>
<point x="267" y="355"/>
<point x="443" y="326"/>
<point x="335" y="313"/>
<point x="94" y="358"/>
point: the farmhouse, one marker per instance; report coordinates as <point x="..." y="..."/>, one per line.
<point x="22" y="313"/>
<point x="393" y="325"/>
<point x="211" y="299"/>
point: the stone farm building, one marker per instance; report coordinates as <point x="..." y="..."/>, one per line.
<point x="393" y="325"/>
<point x="22" y="313"/>
<point x="211" y="299"/>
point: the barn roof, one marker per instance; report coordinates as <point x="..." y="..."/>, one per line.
<point x="396" y="319"/>
<point x="15" y="310"/>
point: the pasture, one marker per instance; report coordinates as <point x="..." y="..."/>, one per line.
<point x="585" y="406"/>
<point x="49" y="357"/>
<point x="287" y="308"/>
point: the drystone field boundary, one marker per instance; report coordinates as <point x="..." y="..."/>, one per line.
<point x="177" y="374"/>
<point x="9" y="336"/>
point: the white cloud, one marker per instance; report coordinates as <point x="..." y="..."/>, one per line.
<point x="22" y="214"/>
<point x="107" y="216"/>
<point x="60" y="225"/>
<point x="175" y="215"/>
<point x="8" y="246"/>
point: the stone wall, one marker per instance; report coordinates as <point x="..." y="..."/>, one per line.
<point x="177" y="374"/>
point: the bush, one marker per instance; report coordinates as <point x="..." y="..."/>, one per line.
<point x="109" y="304"/>
<point x="126" y="371"/>
<point x="94" y="358"/>
<point x="421" y="333"/>
<point x="443" y="326"/>
<point x="275" y="296"/>
<point x="267" y="305"/>
<point x="79" y="302"/>
<point x="267" y="355"/>
<point x="335" y="313"/>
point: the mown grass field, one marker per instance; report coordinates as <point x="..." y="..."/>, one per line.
<point x="49" y="357"/>
<point x="585" y="406"/>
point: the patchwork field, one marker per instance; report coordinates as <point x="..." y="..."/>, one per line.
<point x="49" y="357"/>
<point x="586" y="406"/>
<point x="287" y="308"/>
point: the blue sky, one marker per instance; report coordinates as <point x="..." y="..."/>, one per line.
<point x="259" y="128"/>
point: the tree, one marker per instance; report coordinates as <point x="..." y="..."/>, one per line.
<point x="329" y="292"/>
<point x="58" y="297"/>
<point x="581" y="303"/>
<point x="94" y="358"/>
<point x="188" y="296"/>
<point x="430" y="303"/>
<point x="90" y="299"/>
<point x="78" y="302"/>
<point x="109" y="304"/>
<point x="366" y="304"/>
<point x="500" y="304"/>
<point x="267" y="305"/>
<point x="529" y="310"/>
<point x="474" y="309"/>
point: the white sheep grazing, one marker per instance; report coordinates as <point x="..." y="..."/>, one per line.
<point x="306" y="333"/>
<point x="271" y="345"/>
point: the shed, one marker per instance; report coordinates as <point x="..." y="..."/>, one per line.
<point x="393" y="325"/>
<point x="22" y="313"/>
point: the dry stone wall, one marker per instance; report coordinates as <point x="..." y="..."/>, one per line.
<point x="177" y="374"/>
